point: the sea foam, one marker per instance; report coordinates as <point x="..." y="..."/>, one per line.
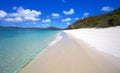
<point x="58" y="38"/>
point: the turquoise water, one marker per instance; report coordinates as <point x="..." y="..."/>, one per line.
<point x="18" y="47"/>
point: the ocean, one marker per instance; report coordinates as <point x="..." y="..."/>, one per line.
<point x="18" y="47"/>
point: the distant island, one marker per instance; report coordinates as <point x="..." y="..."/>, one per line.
<point x="100" y="21"/>
<point x="37" y="28"/>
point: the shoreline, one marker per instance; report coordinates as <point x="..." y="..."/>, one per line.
<point x="36" y="55"/>
<point x="73" y="56"/>
<point x="56" y="40"/>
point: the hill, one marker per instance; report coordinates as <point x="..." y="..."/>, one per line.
<point x="100" y="21"/>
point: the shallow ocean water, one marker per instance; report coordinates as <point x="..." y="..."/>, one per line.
<point x="18" y="47"/>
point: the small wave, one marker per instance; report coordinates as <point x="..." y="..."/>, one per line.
<point x="58" y="38"/>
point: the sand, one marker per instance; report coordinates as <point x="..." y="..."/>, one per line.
<point x="70" y="55"/>
<point x="103" y="39"/>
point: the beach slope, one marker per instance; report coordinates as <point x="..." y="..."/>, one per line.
<point x="73" y="55"/>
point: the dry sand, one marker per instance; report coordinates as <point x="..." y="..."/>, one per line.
<point x="103" y="39"/>
<point x="70" y="55"/>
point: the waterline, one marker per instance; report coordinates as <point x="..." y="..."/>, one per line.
<point x="18" y="47"/>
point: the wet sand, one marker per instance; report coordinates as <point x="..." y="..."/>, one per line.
<point x="70" y="55"/>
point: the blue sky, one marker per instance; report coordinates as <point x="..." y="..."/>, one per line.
<point x="46" y="13"/>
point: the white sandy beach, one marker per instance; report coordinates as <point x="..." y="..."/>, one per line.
<point x="80" y="51"/>
<point x="103" y="39"/>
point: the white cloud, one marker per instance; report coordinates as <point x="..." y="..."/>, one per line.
<point x="63" y="1"/>
<point x="31" y="18"/>
<point x="68" y="23"/>
<point x="21" y="14"/>
<point x="55" y="15"/>
<point x="77" y="18"/>
<point x="86" y="14"/>
<point x="14" y="8"/>
<point x="2" y="13"/>
<point x="46" y="20"/>
<point x="26" y="14"/>
<point x="9" y="19"/>
<point x="106" y="9"/>
<point x="66" y="19"/>
<point x="17" y="19"/>
<point x="70" y="12"/>
<point x="48" y="16"/>
<point x="34" y="22"/>
<point x="45" y="25"/>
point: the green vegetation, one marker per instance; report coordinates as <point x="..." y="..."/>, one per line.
<point x="101" y="21"/>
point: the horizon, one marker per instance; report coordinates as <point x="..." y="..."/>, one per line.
<point x="58" y="13"/>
